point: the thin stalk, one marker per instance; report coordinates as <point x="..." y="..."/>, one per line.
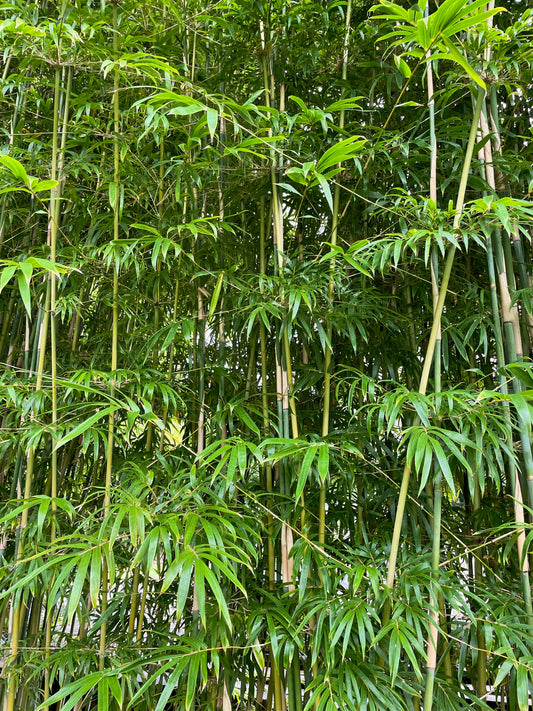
<point x="506" y="281"/>
<point x="494" y="258"/>
<point x="433" y="631"/>
<point x="56" y="173"/>
<point x="281" y="375"/>
<point x="114" y="337"/>
<point x="18" y="611"/>
<point x="428" y="359"/>
<point x="331" y="286"/>
<point x="264" y="402"/>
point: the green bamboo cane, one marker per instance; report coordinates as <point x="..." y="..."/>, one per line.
<point x="18" y="611"/>
<point x="114" y="337"/>
<point x="500" y="275"/>
<point x="433" y="631"/>
<point x="331" y="286"/>
<point x="506" y="281"/>
<point x="264" y="402"/>
<point x="428" y="359"/>
<point x="55" y="196"/>
<point x="268" y="84"/>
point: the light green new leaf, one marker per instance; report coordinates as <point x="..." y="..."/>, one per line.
<point x="77" y="585"/>
<point x="522" y="687"/>
<point x="38" y="186"/>
<point x="95" y="576"/>
<point x="6" y="275"/>
<point x="103" y="695"/>
<point x="215" y="297"/>
<point x="171" y="683"/>
<point x="341" y="151"/>
<point x="73" y="692"/>
<point x="305" y="468"/>
<point x="86" y="424"/>
<point x="16" y="168"/>
<point x="24" y="289"/>
<point x="212" y="121"/>
<point x="323" y="462"/>
<point x="325" y="189"/>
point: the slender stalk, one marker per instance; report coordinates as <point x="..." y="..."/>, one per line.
<point x="114" y="337"/>
<point x="428" y="359"/>
<point x="56" y="173"/>
<point x="331" y="286"/>
<point x="433" y="632"/>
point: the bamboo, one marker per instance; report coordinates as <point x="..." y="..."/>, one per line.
<point x="433" y="632"/>
<point x="114" y="338"/>
<point x="428" y="359"/>
<point x="331" y="287"/>
<point x="56" y="174"/>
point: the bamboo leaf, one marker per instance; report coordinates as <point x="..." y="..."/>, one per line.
<point x="24" y="289"/>
<point x="16" y="168"/>
<point x="212" y="121"/>
<point x="77" y="585"/>
<point x="305" y="468"/>
<point x="73" y="692"/>
<point x="6" y="275"/>
<point x="215" y="297"/>
<point x="103" y="694"/>
<point x="323" y="462"/>
<point x="185" y="581"/>
<point x="95" y="576"/>
<point x="179" y="667"/>
<point x="86" y="424"/>
<point x="522" y="686"/>
<point x="325" y="189"/>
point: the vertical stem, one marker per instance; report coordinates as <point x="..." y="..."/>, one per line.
<point x="428" y="360"/>
<point x="114" y="341"/>
<point x="56" y="173"/>
<point x="433" y="632"/>
<point x="331" y="287"/>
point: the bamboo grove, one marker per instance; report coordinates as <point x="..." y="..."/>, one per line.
<point x="265" y="339"/>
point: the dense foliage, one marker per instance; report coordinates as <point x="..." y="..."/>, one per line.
<point x="265" y="274"/>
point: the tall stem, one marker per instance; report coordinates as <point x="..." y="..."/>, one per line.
<point x="114" y="337"/>
<point x="428" y="359"/>
<point x="433" y="632"/>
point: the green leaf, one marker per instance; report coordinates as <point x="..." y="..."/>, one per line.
<point x="187" y="559"/>
<point x="199" y="587"/>
<point x="95" y="576"/>
<point x="86" y="424"/>
<point x="402" y="66"/>
<point x="395" y="649"/>
<point x="323" y="462"/>
<point x="457" y="57"/>
<point x="16" y="168"/>
<point x="305" y="468"/>
<point x="216" y="295"/>
<point x="503" y="671"/>
<point x="341" y="151"/>
<point x="212" y="121"/>
<point x="325" y="189"/>
<point x="219" y="595"/>
<point x="192" y="679"/>
<point x="73" y="692"/>
<point x="103" y="695"/>
<point x="522" y="686"/>
<point x="77" y="585"/>
<point x="24" y="289"/>
<point x="6" y="275"/>
<point x="171" y="683"/>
